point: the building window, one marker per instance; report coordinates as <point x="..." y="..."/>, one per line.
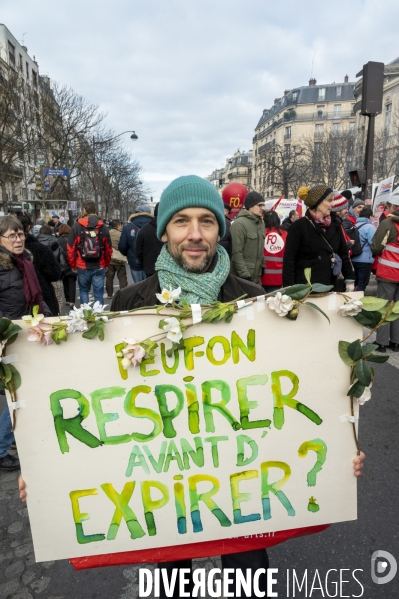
<point x="339" y="90"/>
<point x="317" y="147"/>
<point x="27" y="70"/>
<point x="322" y="93"/>
<point x="351" y="127"/>
<point x="11" y="53"/>
<point x="287" y="133"/>
<point x="320" y="112"/>
<point x="34" y="78"/>
<point x="295" y="96"/>
<point x="319" y="131"/>
<point x="337" y="110"/>
<point x="388" y="112"/>
<point x="353" y="108"/>
<point x="287" y="151"/>
<point x="21" y="64"/>
<point x="336" y="128"/>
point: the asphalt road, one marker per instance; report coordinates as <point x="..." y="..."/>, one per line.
<point x="347" y="546"/>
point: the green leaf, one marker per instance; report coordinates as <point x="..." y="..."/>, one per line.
<point x="356" y="390"/>
<point x="7" y="372"/>
<point x="395" y="308"/>
<point x="101" y="333"/>
<point x="169" y="352"/>
<point x="308" y="274"/>
<point x="343" y="353"/>
<point x="319" y="288"/>
<point x="377" y="358"/>
<point x="162" y="324"/>
<point x="368" y="348"/>
<point x="16" y="377"/>
<point x="392" y="316"/>
<point x="368" y="319"/>
<point x="318" y="309"/>
<point x="355" y="350"/>
<point x="87" y="313"/>
<point x="2" y="385"/>
<point x="298" y="292"/>
<point x="35" y="311"/>
<point x="363" y="373"/>
<point x="370" y="304"/>
<point x="91" y="333"/>
<point x="11" y="332"/>
<point x="5" y="323"/>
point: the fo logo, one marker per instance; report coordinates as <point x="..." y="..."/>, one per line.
<point x="274" y="243"/>
<point x="383" y="567"/>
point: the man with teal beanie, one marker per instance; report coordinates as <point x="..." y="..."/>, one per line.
<point x="191" y="222"/>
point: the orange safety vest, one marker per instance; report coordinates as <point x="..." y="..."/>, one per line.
<point x="388" y="261"/>
<point x="273" y="254"/>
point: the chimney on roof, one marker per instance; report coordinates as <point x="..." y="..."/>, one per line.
<point x="276" y="100"/>
<point x="346" y="79"/>
<point x="312" y="81"/>
<point x="25" y="49"/>
<point x="264" y="110"/>
<point x="286" y="91"/>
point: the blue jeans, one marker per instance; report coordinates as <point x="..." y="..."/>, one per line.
<point x="86" y="278"/>
<point x="362" y="275"/>
<point x="6" y="434"/>
<point x="137" y="275"/>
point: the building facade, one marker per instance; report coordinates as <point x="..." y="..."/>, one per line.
<point x="304" y="116"/>
<point x="238" y="168"/>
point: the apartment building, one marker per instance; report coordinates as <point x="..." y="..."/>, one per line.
<point x="18" y="180"/>
<point x="304" y="112"/>
<point x="238" y="168"/>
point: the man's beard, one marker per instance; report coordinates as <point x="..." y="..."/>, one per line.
<point x="198" y="267"/>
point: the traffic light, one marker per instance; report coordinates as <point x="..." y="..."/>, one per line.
<point x="220" y="183"/>
<point x="358" y="177"/>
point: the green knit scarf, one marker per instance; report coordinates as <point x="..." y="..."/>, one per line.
<point x="196" y="288"/>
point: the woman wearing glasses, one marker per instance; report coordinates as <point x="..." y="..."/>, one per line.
<point x="19" y="292"/>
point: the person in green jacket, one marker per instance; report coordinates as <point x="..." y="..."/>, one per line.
<point x="248" y="237"/>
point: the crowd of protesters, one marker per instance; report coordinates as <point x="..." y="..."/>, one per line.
<point x="41" y="264"/>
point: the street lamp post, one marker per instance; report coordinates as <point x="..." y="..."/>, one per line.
<point x="101" y="143"/>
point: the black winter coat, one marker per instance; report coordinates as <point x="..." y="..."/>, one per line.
<point x="62" y="242"/>
<point x="148" y="247"/>
<point x="12" y="298"/>
<point x="306" y="248"/>
<point x="47" y="270"/>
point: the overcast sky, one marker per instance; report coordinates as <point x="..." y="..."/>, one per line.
<point x="192" y="77"/>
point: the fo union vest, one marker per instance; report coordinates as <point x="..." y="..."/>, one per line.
<point x="273" y="257"/>
<point x="388" y="262"/>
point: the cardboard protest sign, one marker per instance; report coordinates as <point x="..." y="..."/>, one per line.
<point x="243" y="432"/>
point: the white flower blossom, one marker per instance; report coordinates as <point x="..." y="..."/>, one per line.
<point x="33" y="320"/>
<point x="172" y="327"/>
<point x="366" y="395"/>
<point x="168" y="295"/>
<point x="98" y="308"/>
<point x="281" y="304"/>
<point x="77" y="325"/>
<point x="351" y="308"/>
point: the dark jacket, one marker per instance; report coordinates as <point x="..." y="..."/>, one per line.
<point x="75" y="240"/>
<point x="306" y="248"/>
<point x="286" y="224"/>
<point x="226" y="241"/>
<point x="143" y="293"/>
<point x="63" y="243"/>
<point x="148" y="247"/>
<point x="127" y="242"/>
<point x="47" y="270"/>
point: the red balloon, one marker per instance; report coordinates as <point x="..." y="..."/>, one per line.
<point x="233" y="195"/>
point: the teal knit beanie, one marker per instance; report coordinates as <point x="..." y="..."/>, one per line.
<point x="189" y="192"/>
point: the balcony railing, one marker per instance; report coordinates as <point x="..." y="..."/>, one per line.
<point x="318" y="134"/>
<point x="306" y="117"/>
<point x="267" y="146"/>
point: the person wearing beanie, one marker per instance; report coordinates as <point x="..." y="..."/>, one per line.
<point x="127" y="243"/>
<point x="190" y="222"/>
<point x="339" y="209"/>
<point x="248" y="238"/>
<point x="349" y="196"/>
<point x="148" y="246"/>
<point x="316" y="241"/>
<point x="353" y="214"/>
